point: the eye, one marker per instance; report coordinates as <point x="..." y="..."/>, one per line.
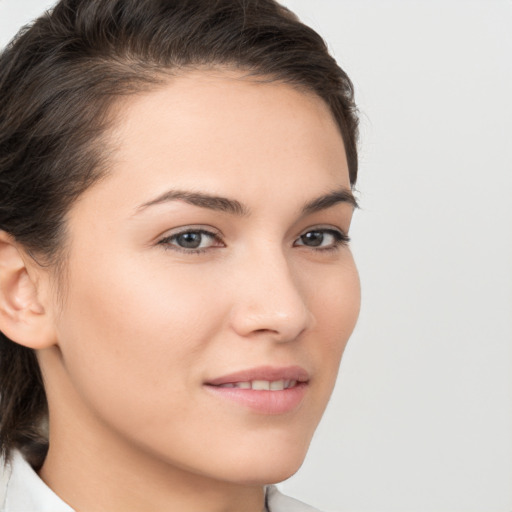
<point x="323" y="239"/>
<point x="192" y="240"/>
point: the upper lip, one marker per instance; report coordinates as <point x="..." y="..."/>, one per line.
<point x="269" y="373"/>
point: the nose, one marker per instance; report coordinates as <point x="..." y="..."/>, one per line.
<point x="268" y="300"/>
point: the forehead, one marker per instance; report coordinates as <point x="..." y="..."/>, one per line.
<point x="227" y="133"/>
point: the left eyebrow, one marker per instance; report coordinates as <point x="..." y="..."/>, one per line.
<point x="326" y="201"/>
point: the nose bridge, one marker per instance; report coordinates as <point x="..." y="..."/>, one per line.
<point x="269" y="299"/>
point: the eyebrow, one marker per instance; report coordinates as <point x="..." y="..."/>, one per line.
<point x="343" y="195"/>
<point x="232" y="206"/>
<point x="218" y="203"/>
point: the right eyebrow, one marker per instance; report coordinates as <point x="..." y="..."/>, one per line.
<point x="212" y="202"/>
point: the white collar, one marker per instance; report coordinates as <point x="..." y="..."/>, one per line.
<point x="21" y="490"/>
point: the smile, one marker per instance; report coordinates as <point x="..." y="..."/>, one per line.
<point x="264" y="390"/>
<point x="262" y="385"/>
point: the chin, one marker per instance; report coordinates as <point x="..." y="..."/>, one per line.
<point x="266" y="475"/>
<point x="269" y="469"/>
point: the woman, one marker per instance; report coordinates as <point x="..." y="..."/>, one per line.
<point x="176" y="286"/>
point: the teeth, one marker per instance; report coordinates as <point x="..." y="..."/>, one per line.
<point x="262" y="385"/>
<point x="277" y="385"/>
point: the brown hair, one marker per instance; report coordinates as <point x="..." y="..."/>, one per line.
<point x="58" y="81"/>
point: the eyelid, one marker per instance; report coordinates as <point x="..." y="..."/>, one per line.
<point x="209" y="231"/>
<point x="340" y="235"/>
<point x="205" y="228"/>
<point x="325" y="227"/>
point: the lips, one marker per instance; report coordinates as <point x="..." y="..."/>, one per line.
<point x="261" y="385"/>
<point x="265" y="390"/>
<point x="263" y="374"/>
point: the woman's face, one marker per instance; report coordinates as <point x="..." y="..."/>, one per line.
<point x="208" y="267"/>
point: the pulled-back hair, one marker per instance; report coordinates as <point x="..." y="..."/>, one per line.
<point x="60" y="78"/>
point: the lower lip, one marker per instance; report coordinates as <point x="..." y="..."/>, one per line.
<point x="264" y="402"/>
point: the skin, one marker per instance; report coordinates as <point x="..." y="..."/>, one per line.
<point x="145" y="322"/>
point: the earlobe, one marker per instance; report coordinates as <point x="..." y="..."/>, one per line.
<point x="23" y="318"/>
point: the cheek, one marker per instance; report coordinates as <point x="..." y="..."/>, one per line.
<point x="336" y="303"/>
<point x="131" y="338"/>
<point x="341" y="304"/>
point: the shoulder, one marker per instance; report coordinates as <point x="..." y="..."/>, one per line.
<point x="21" y="489"/>
<point x="278" y="502"/>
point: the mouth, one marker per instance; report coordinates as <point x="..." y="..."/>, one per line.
<point x="265" y="390"/>
<point x="261" y="385"/>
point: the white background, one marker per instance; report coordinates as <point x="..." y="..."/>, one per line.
<point x="421" y="420"/>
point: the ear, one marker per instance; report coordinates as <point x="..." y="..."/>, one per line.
<point x="23" y="318"/>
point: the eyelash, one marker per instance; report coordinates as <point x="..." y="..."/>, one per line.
<point x="166" y="242"/>
<point x="340" y="240"/>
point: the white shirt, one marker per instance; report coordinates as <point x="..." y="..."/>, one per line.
<point x="21" y="490"/>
